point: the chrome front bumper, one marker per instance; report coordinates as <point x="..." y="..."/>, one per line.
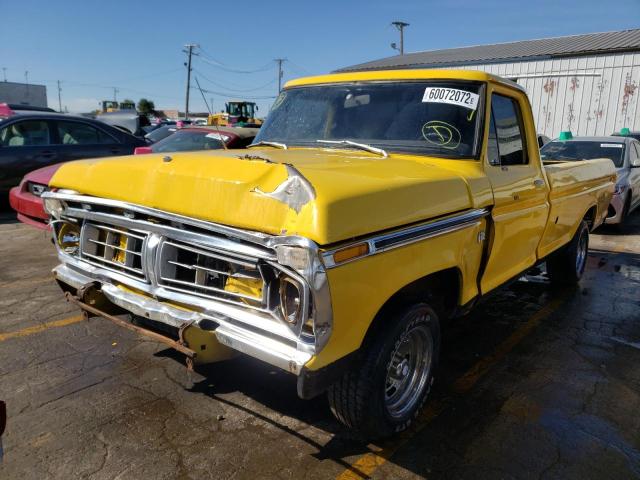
<point x="234" y="327"/>
<point x="617" y="203"/>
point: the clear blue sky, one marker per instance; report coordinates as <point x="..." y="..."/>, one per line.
<point x="137" y="45"/>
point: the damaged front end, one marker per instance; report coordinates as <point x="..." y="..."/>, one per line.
<point x="212" y="289"/>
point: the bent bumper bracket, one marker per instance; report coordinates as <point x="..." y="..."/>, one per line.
<point x="177" y="345"/>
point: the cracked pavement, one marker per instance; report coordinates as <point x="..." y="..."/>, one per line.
<point x="91" y="400"/>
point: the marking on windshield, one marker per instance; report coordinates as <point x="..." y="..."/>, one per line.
<point x="441" y="134"/>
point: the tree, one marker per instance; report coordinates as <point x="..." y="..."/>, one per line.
<point x="146" y="106"/>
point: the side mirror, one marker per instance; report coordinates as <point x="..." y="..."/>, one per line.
<point x="142" y="150"/>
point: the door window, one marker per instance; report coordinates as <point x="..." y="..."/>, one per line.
<point x="78" y="133"/>
<point x="507" y="120"/>
<point x="492" y="146"/>
<point x="30" y="133"/>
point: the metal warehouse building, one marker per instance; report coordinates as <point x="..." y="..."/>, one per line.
<point x="23" y="94"/>
<point x="583" y="83"/>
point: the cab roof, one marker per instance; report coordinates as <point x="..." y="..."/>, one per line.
<point x="413" y="74"/>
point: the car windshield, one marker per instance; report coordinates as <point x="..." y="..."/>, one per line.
<point x="576" y="150"/>
<point x="160" y="133"/>
<point x="437" y="118"/>
<point x="190" y="140"/>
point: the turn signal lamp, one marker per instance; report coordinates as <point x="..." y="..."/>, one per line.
<point x="349" y="253"/>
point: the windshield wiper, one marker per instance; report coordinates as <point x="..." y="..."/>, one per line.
<point x="269" y="144"/>
<point x="361" y="146"/>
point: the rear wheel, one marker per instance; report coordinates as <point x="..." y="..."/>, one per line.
<point x="384" y="393"/>
<point x="567" y="266"/>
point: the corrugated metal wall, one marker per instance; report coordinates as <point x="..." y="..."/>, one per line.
<point x="589" y="95"/>
<point x="23" y="94"/>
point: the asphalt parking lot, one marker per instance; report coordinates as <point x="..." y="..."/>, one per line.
<point x="535" y="383"/>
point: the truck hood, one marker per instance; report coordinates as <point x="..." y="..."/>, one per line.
<point x="325" y="195"/>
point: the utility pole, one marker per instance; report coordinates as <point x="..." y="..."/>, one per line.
<point x="4" y="72"/>
<point x="400" y="26"/>
<point x="211" y="103"/>
<point x="59" y="97"/>
<point x="280" y="61"/>
<point x="26" y="80"/>
<point x="115" y="94"/>
<point x="189" y="53"/>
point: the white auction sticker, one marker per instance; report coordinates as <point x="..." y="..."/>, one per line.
<point x="452" y="96"/>
<point x="611" y="145"/>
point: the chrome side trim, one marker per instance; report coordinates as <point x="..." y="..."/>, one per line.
<point x="407" y="236"/>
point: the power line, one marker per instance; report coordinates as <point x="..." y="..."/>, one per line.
<point x="301" y="70"/>
<point x="209" y="59"/>
<point x="232" y="94"/>
<point x="203" y="77"/>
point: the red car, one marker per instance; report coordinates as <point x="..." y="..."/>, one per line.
<point x="189" y="139"/>
<point x="25" y="198"/>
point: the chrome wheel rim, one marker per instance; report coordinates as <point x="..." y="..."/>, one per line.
<point x="581" y="256"/>
<point x="408" y="370"/>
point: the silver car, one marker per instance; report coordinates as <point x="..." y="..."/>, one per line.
<point x="625" y="154"/>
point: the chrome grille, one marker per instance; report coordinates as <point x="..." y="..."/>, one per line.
<point x="113" y="248"/>
<point x="188" y="269"/>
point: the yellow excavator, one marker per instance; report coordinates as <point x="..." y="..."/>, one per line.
<point x="113" y="106"/>
<point x="238" y="113"/>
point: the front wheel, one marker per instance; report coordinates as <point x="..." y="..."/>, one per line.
<point x="384" y="393"/>
<point x="567" y="265"/>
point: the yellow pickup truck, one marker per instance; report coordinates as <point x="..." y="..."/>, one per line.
<point x="371" y="207"/>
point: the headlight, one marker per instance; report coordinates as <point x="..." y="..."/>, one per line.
<point x="68" y="238"/>
<point x="290" y="300"/>
<point x="37" y="189"/>
<point x="619" y="189"/>
<point x="53" y="207"/>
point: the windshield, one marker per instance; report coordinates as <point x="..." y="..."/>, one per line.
<point x="430" y="117"/>
<point x="189" y="140"/>
<point x="576" y="150"/>
<point x="160" y="133"/>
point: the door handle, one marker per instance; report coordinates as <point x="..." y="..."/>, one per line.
<point x="47" y="154"/>
<point x="538" y="183"/>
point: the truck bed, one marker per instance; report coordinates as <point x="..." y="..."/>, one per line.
<point x="569" y="184"/>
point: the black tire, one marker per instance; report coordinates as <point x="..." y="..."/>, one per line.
<point x="363" y="399"/>
<point x="566" y="266"/>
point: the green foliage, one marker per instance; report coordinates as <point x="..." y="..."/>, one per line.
<point x="146" y="106"/>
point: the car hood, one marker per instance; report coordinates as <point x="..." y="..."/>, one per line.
<point x="322" y="194"/>
<point x="43" y="175"/>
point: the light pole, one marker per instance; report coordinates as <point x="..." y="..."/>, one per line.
<point x="400" y="26"/>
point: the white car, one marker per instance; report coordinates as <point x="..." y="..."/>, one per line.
<point x="625" y="154"/>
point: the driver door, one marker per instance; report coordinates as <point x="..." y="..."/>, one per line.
<point x="519" y="188"/>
